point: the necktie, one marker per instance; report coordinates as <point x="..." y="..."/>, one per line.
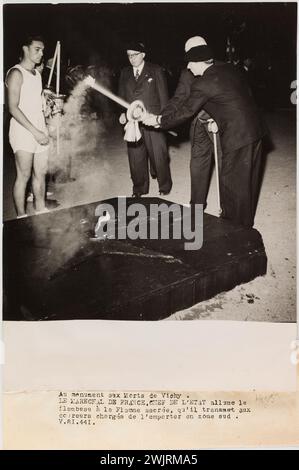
<point x="136" y="75"/>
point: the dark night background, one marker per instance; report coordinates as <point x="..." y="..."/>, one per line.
<point x="96" y="34"/>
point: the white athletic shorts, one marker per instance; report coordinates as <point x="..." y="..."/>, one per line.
<point x="21" y="139"/>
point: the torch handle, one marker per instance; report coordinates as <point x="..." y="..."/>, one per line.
<point x="91" y="82"/>
<point x="110" y="95"/>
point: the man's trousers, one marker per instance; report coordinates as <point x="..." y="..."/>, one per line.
<point x="239" y="174"/>
<point x="153" y="147"/>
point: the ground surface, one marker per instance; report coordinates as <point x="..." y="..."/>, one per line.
<point x="100" y="166"/>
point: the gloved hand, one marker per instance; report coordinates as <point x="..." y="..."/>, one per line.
<point x="212" y="126"/>
<point x="150" y="120"/>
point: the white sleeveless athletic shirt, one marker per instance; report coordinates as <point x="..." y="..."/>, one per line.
<point x="31" y="105"/>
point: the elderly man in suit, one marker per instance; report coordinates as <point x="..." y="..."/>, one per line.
<point x="201" y="162"/>
<point x="146" y="82"/>
<point x="223" y="93"/>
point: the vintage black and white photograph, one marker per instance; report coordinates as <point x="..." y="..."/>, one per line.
<point x="149" y="161"/>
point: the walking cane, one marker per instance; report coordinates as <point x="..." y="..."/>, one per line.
<point x="212" y="127"/>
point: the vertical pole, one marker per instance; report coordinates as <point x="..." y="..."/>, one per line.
<point x="52" y="68"/>
<point x="58" y="133"/>
<point x="57" y="94"/>
<point x="58" y="68"/>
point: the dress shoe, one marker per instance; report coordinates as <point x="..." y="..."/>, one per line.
<point x="136" y="195"/>
<point x="164" y="193"/>
<point x="52" y="203"/>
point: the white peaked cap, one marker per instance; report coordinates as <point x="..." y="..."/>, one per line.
<point x="194" y="41"/>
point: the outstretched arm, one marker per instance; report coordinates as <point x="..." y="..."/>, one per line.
<point x="181" y="93"/>
<point x="187" y="108"/>
<point x="173" y="116"/>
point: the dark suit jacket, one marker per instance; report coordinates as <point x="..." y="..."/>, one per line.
<point x="181" y="93"/>
<point x="224" y="94"/>
<point x="150" y="88"/>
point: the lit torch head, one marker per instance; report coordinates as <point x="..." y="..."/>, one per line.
<point x="89" y="80"/>
<point x="136" y="111"/>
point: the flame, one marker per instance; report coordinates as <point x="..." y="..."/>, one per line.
<point x="89" y="80"/>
